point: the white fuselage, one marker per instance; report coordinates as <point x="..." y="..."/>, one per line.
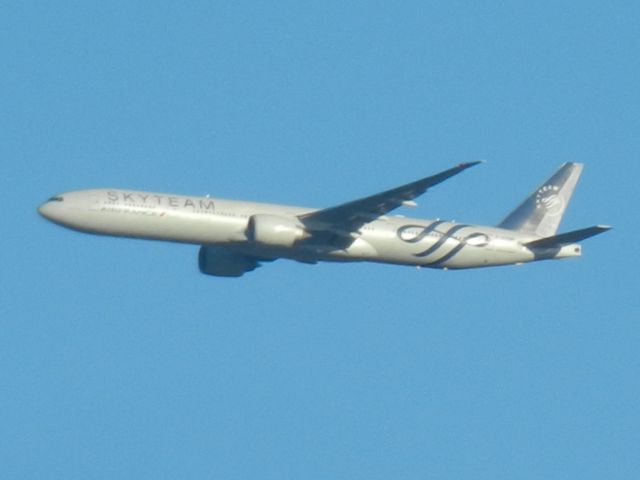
<point x="212" y="221"/>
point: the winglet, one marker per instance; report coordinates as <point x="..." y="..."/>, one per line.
<point x="465" y="165"/>
<point x="442" y="176"/>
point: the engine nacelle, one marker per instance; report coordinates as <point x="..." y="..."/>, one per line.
<point x="221" y="262"/>
<point x="274" y="231"/>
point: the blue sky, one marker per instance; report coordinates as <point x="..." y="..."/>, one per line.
<point x="119" y="360"/>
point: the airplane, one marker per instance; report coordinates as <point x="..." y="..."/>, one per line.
<point x="236" y="237"/>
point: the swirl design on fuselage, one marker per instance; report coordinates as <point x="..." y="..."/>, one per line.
<point x="405" y="232"/>
<point x="416" y="233"/>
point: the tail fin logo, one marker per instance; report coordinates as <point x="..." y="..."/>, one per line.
<point x="550" y="200"/>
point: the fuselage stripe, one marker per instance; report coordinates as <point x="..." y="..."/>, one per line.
<point x="446" y="236"/>
<point x="423" y="234"/>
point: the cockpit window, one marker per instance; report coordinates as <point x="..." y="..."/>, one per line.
<point x="56" y="199"/>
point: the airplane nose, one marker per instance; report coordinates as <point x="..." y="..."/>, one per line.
<point x="52" y="209"/>
<point x="45" y="210"/>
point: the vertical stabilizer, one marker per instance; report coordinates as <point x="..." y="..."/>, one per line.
<point x="541" y="213"/>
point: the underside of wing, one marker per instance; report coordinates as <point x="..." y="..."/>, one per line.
<point x="349" y="217"/>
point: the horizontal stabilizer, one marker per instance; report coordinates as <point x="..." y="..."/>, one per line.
<point x="569" y="237"/>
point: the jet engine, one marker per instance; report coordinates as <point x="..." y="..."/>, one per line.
<point x="274" y="231"/>
<point x="222" y="262"/>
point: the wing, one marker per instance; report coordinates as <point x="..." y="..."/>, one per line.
<point x="349" y="217"/>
